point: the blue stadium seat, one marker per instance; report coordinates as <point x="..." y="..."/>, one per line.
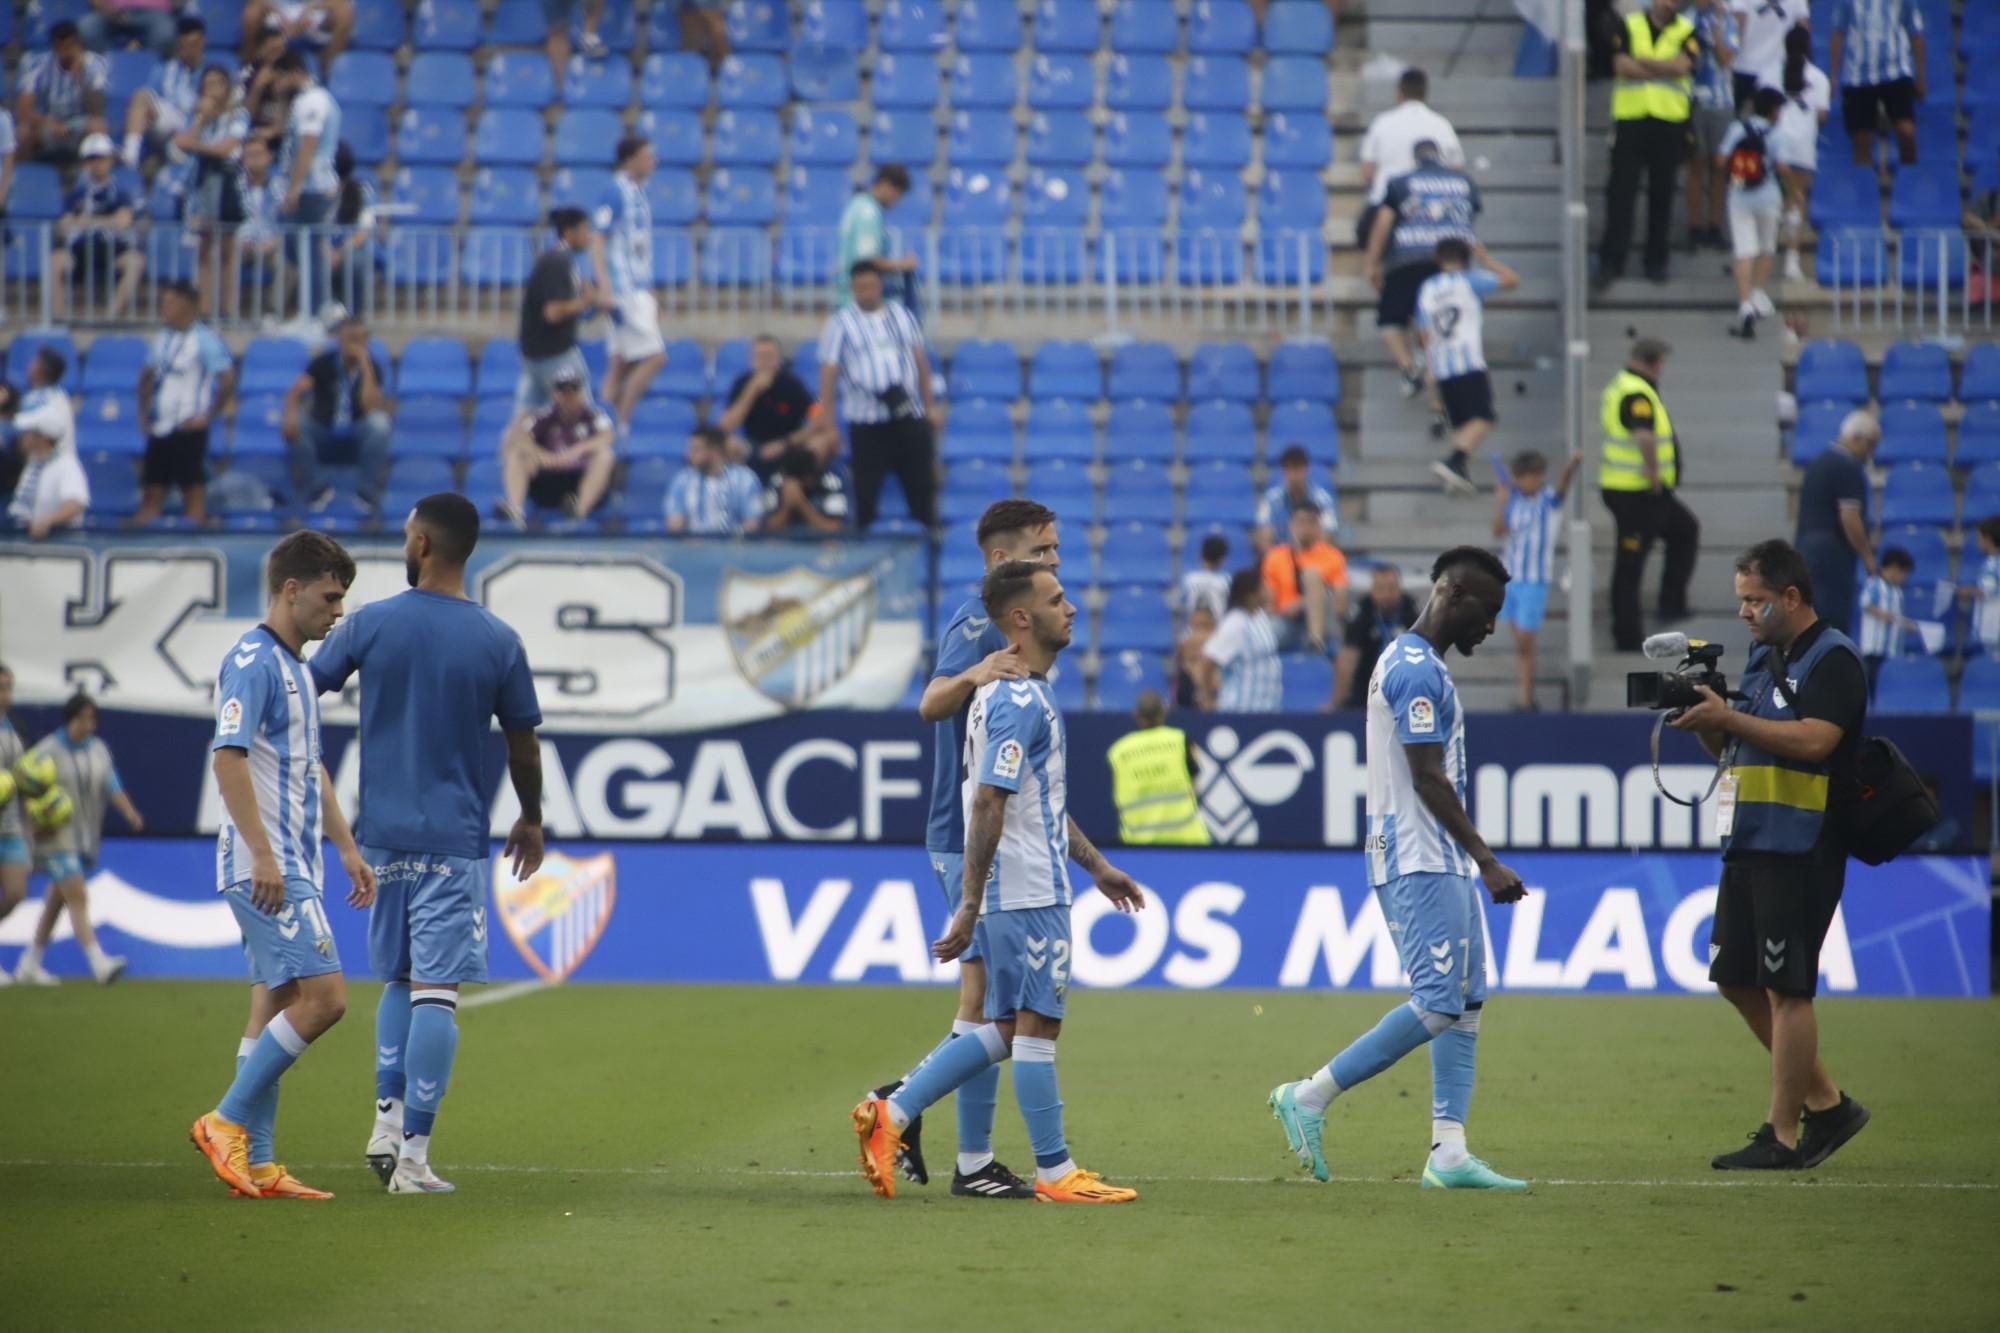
<point x="676" y="136"/>
<point x="581" y="136"/>
<point x="1915" y="493"/>
<point x="1978" y="435"/>
<point x="1061" y="82"/>
<point x="906" y="81"/>
<point x="736" y="257"/>
<point x="1845" y="196"/>
<point x="732" y="358"/>
<point x="1298" y="27"/>
<point x="1831" y="368"/>
<point x="259" y="418"/>
<point x="439" y="78"/>
<point x="663" y="424"/>
<point x="430" y="426"/>
<point x="1304" y="370"/>
<point x="746" y="139"/>
<point x="1915" y="370"/>
<point x="1979" y="692"/>
<point x="911" y="25"/>
<point x="746" y="198"/>
<point x="1059" y="428"/>
<point x="1924" y="197"/>
<point x="983" y="79"/>
<point x="1221" y="27"/>
<point x="505" y="196"/>
<point x="522" y="78"/>
<point x="1065" y="368"/>
<point x="604" y="83"/>
<point x="1294" y="140"/>
<point x="508" y="135"/>
<point x="834" y="25"/>
<point x="225" y="22"/>
<point x="114" y="485"/>
<point x="365" y="129"/>
<point x="109" y="424"/>
<point x="975" y="198"/>
<point x="1215" y="83"/>
<point x="815" y="195"/>
<point x="1060" y="139"/>
<point x="1982" y="493"/>
<point x="499" y="368"/>
<point x="1924" y="255"/>
<point x="673" y="79"/>
<point x="1817" y="428"/>
<point x="1979" y="378"/>
<point x="979" y="139"/>
<point x="1304" y="422"/>
<point x="421" y="476"/>
<point x="1134" y="619"/>
<point x="1141" y="490"/>
<point x="971" y="485"/>
<point x="369" y="79"/>
<point x="498" y="256"/>
<point x="1224" y="370"/>
<point x="1912" y="432"/>
<point x="114" y="363"/>
<point x="446" y="25"/>
<point x="1289" y="256"/>
<point x="1138" y="83"/>
<point x="1219" y="430"/>
<point x="1206" y="258"/>
<point x="1139" y="430"/>
<point x="758" y="25"/>
<point x="906" y="137"/>
<point x="1145" y="370"/>
<point x="1295" y="83"/>
<point x="38" y="192"/>
<point x="584" y="186"/>
<point x="431" y="135"/>
<point x="1054" y="199"/>
<point x="517" y="23"/>
<point x="1052" y="255"/>
<point x="824" y="75"/>
<point x="1236" y="534"/>
<point x="971" y="256"/>
<point x="1135" y="553"/>
<point x="979" y="428"/>
<point x="985" y="368"/>
<point x="752" y="80"/>
<point x="1132" y="198"/>
<point x="1220" y="493"/>
<point x="1982" y="133"/>
<point x="1137" y="139"/>
<point x="1907" y="685"/>
<point x="1307" y="677"/>
<point x="270" y="365"/>
<point x="1145" y="27"/>
<point x="686" y="373"/>
<point x="1291" y="200"/>
<point x="806" y="255"/>
<point x="1216" y="139"/>
<point x="1925" y="545"/>
<point x="988" y="25"/>
<point x="432" y="193"/>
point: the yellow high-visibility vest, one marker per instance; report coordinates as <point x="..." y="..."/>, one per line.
<point x="1153" y="791"/>
<point x="1662" y="99"/>
<point x="1624" y="467"/>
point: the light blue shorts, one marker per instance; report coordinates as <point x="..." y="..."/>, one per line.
<point x="1027" y="961"/>
<point x="1435" y="919"/>
<point x="536" y="389"/>
<point x="60" y="865"/>
<point x="429" y="918"/>
<point x="1525" y="605"/>
<point x="14" y="852"/>
<point x="950" y="868"/>
<point x="293" y="942"/>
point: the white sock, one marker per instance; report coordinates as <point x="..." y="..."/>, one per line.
<point x="969" y="1162"/>
<point x="392" y="1118"/>
<point x="245" y="1046"/>
<point x="132" y="149"/>
<point x="30" y="957"/>
<point x="287" y="1036"/>
<point x="1745" y="310"/>
<point x="417" y="1149"/>
<point x="899" y="1117"/>
<point x="94" y="952"/>
<point x="1317" y="1091"/>
<point x="1448" y="1144"/>
<point x="1051" y="1174"/>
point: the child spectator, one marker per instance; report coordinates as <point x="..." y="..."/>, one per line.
<point x="1526" y="513"/>
<point x="1883" y="623"/>
<point x="1754" y="204"/>
<point x="1190" y="654"/>
<point x="1452" y="321"/>
<point x="1984" y="592"/>
<point x="1713" y="95"/>
<point x="1207" y="587"/>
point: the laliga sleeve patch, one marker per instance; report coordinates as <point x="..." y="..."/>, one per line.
<point x="604" y="217"/>
<point x="229" y="720"/>
<point x="1007" y="760"/>
<point x="1423" y="717"/>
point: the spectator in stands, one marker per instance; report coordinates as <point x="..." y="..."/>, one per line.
<point x="208" y="155"/>
<point x="621" y="254"/>
<point x="1717" y="34"/>
<point x="312" y="137"/>
<point x="165" y="106"/>
<point x="349" y="253"/>
<point x="1207" y="586"/>
<point x="52" y="491"/>
<point x="1525" y="513"/>
<point x="1191" y="657"/>
<point x="703" y="29"/>
<point x="258" y="88"/>
<point x="1241" y="670"/>
<point x="554" y="299"/>
<point x="769" y="409"/>
<point x="187" y="375"/>
<point x="1808" y="98"/>
<point x="864" y="233"/>
<point x="808" y="493"/>
<point x="1883" y="41"/>
<point x="113" y="23"/>
<point x="560" y="13"/>
<point x="1656" y="52"/>
<point x="95" y="236"/>
<point x="338" y="403"/>
<point x="1432" y="203"/>
<point x="261" y="197"/>
<point x="1749" y="155"/>
<point x="561" y="457"/>
<point x="1307" y="581"/>
<point x="873" y="350"/>
<point x="61" y="97"/>
<point x="1451" y="322"/>
<point x="8" y="147"/>
<point x="1378" y="622"/>
<point x="1760" y="59"/>
<point x="1833" y="517"/>
<point x="1295" y="489"/>
<point x="711" y="496"/>
<point x="326" y="25"/>
<point x="1389" y="148"/>
<point x="1883" y="624"/>
<point x="1980" y="218"/>
<point x="1983" y="591"/>
<point x="1638" y="470"/>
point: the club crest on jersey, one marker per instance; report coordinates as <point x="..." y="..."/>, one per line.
<point x="1007" y="760"/>
<point x="558" y="914"/>
<point x="797" y="634"/>
<point x="1423" y="717"/>
<point x="229" y="720"/>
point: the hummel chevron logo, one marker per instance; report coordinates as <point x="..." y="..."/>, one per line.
<point x="387" y="1053"/>
<point x="1774" y="954"/>
<point x="288" y="923"/>
<point x="1438" y="1109"/>
<point x="244" y="659"/>
<point x="246" y="646"/>
<point x="1038" y="953"/>
<point x="427" y="1089"/>
<point x="1441" y="957"/>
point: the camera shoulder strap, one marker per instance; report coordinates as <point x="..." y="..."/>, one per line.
<point x="1715" y="780"/>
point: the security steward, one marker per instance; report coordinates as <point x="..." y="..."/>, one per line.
<point x="1640" y="468"/>
<point x="1654" y="57"/>
<point x="1783" y="863"/>
<point x="1152" y="781"/>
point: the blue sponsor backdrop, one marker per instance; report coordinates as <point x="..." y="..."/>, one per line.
<point x="1616" y="922"/>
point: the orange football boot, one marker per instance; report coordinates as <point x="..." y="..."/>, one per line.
<point x="227" y="1148"/>
<point x="880" y="1140"/>
<point x="274" y="1182"/>
<point x="1081" y="1186"/>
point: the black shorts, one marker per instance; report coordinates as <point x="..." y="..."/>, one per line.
<point x="1897" y="100"/>
<point x="1467" y="398"/>
<point x="96" y="255"/>
<point x="176" y="459"/>
<point x="1771" y="916"/>
<point x="1745" y="86"/>
<point x="549" y="489"/>
<point x="1399" y="293"/>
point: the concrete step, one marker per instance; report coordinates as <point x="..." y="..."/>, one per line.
<point x="1416" y="39"/>
<point x="1486" y="103"/>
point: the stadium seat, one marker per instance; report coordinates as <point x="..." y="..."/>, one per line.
<point x="1307" y="677"/>
<point x="1979" y="377"/>
<point x="431" y="135"/>
<point x="1924" y="197"/>
<point x="1137" y="139"/>
<point x="1845" y="198"/>
<point x="439" y="78"/>
<point x="747" y="198"/>
<point x="582" y="133"/>
<point x="1059" y="428"/>
<point x="674" y="79"/>
<point x="1303" y="422"/>
<point x="114" y="363"/>
<point x="676" y="137"/>
<point x="983" y="80"/>
<point x="1134" y="619"/>
<point x="979" y="428"/>
<point x="442" y="26"/>
<point x="1204" y="258"/>
<point x="685" y="374"/>
<point x="1061" y="82"/>
<point x="1138" y="83"/>
<point x="1122" y="677"/>
<point x="1291" y="200"/>
<point x="37" y="194"/>
<point x="1926" y="546"/>
<point x="1145" y="370"/>
<point x="815" y="195"/>
<point x="497" y="256"/>
<point x="758" y="25"/>
<point x="1912" y="432"/>
<point x="1851" y="258"/>
<point x="1149" y="27"/>
<point x="988" y="25"/>
<point x="911" y="25"/>
<point x="1219" y="431"/>
<point x="1817" y="428"/>
<point x="834" y="25"/>
<point x="1906" y="685"/>
<point x="259" y="418"/>
<point x="1141" y="490"/>
<point x="979" y="139"/>
<point x="430" y="191"/>
<point x="1054" y="199"/>
<point x="752" y="80"/>
<point x="431" y="426"/>
<point x="806" y="255"/>
<point x="1062" y="485"/>
<point x="1060" y="139"/>
<point x="1290" y="256"/>
<point x="1065" y="368"/>
<point x="975" y="198"/>
<point x="517" y="23"/>
<point x="1982" y="493"/>
<point x="1297" y="141"/>
<point x="1052" y="255"/>
<point x="601" y="83"/>
<point x="1915" y="493"/>
<point x="522" y="78"/>
<point x="508" y="135"/>
<point x="985" y="368"/>
<point x="1134" y="198"/>
<point x="906" y="137"/>
<point x="746" y="139"/>
<point x="1979" y="692"/>
<point x="824" y="138"/>
<point x="1221" y="27"/>
<point x="1295" y="83"/>
<point x="736" y="257"/>
<point x="1978" y="435"/>
<point x="1925" y="255"/>
<point x="270" y="365"/>
<point x="1224" y="370"/>
<point x="664" y="424"/>
<point x="1139" y="429"/>
<point x="1831" y="368"/>
<point x="1304" y="370"/>
<point x="369" y="79"/>
<point x="732" y="358"/>
<point x="1219" y="139"/>
<point x="504" y="197"/>
<point x="1134" y="553"/>
<point x="969" y="486"/>
<point x="365" y="129"/>
<point x="908" y="81"/>
<point x="1915" y="370"/>
<point x="1215" y="83"/>
<point x="499" y="367"/>
<point x="1298" y="27"/>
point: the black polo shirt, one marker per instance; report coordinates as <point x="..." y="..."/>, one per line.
<point x="1368" y="632"/>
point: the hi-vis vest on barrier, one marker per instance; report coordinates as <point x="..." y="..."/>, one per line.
<point x="1662" y="99"/>
<point x="1155" y="795"/>
<point x="1624" y="467"/>
<point x="1780" y="803"/>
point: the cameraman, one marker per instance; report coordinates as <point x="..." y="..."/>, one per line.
<point x="874" y="351"/>
<point x="1783" y="864"/>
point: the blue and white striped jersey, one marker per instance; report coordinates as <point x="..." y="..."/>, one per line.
<point x="1877" y="46"/>
<point x="625" y="219"/>
<point x="1715" y="27"/>
<point x="185" y="365"/>
<point x="1411" y="700"/>
<point x="174" y="84"/>
<point x="875" y="350"/>
<point x="716" y="506"/>
<point x="268" y="706"/>
<point x="1015" y="740"/>
<point x="1881" y="638"/>
<point x="1986" y="611"/>
<point x="1452" y="315"/>
<point x="1531" y="534"/>
<point x="1245" y="646"/>
<point x="314" y="112"/>
<point x="59" y="92"/>
<point x="1274" y="507"/>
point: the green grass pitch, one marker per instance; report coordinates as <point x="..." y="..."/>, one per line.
<point x="669" y="1158"/>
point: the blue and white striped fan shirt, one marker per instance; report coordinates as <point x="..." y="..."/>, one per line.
<point x="1881" y="638"/>
<point x="1531" y="535"/>
<point x="60" y="92"/>
<point x="1245" y="646"/>
<point x="268" y="707"/>
<point x="718" y="505"/>
<point x="875" y="350"/>
<point x="1877" y="45"/>
<point x="625" y="219"/>
<point x="174" y="84"/>
<point x="185" y="365"/>
<point x="1452" y="315"/>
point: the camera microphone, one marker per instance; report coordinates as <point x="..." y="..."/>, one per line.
<point x="1670" y="647"/>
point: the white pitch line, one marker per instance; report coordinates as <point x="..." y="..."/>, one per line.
<point x="513" y="990"/>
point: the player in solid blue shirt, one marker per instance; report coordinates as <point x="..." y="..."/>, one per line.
<point x="436" y="670"/>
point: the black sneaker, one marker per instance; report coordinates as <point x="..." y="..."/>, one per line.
<point x="910" y="1157"/>
<point x="992" y="1181"/>
<point x="1826" y="1130"/>
<point x="1440" y="425"/>
<point x="1413" y="382"/>
<point x="1764" y="1153"/>
<point x="1451" y="470"/>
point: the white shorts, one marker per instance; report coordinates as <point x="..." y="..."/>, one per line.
<point x="168" y="119"/>
<point x="283" y="12"/>
<point x="635" y="328"/>
<point x="1754" y="231"/>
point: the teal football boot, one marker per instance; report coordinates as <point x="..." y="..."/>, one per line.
<point x="1303" y="1129"/>
<point x="1471" y="1174"/>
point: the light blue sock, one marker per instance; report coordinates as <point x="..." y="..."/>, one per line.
<point x="275" y="1051"/>
<point x="1399" y="1033"/>
<point x="958" y="1060"/>
<point x="1452" y="1055"/>
<point x="263" y="1112"/>
<point x="978" y="1101"/>
<point x="1041" y="1104"/>
<point x="433" y="1043"/>
<point x="392" y="1030"/>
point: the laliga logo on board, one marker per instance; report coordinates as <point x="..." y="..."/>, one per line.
<point x="1269" y="771"/>
<point x="557" y="915"/>
<point x="797" y="634"/>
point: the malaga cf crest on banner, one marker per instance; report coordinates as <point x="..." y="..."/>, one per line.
<point x="797" y="634"/>
<point x="556" y="916"/>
